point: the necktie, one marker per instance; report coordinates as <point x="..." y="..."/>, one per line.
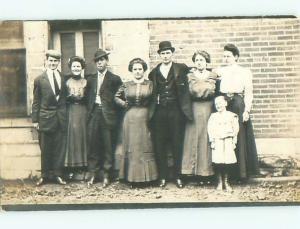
<point x="56" y="87"/>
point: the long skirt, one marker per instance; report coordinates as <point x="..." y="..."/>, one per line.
<point x="137" y="162"/>
<point x="197" y="157"/>
<point x="76" y="149"/>
<point x="118" y="154"/>
<point x="246" y="153"/>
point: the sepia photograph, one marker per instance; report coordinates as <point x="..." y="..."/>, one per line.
<point x="149" y="112"/>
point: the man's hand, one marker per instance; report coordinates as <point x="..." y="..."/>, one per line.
<point x="36" y="126"/>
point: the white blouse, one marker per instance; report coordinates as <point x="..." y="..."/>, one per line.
<point x="237" y="79"/>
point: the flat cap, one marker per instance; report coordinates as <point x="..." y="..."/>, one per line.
<point x="53" y="53"/>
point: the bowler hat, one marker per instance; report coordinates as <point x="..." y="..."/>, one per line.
<point x="165" y="45"/>
<point x="100" y="53"/>
<point x="53" y="53"/>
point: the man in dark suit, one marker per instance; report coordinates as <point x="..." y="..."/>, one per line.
<point x="102" y="117"/>
<point x="49" y="118"/>
<point x="169" y="111"/>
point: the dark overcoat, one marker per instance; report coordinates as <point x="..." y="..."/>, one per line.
<point x="47" y="111"/>
<point x="109" y="87"/>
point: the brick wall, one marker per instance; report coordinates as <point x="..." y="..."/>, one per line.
<point x="269" y="47"/>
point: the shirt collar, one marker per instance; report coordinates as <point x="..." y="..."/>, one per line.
<point x="50" y="71"/>
<point x="103" y="73"/>
<point x="138" y="81"/>
<point x="166" y="65"/>
<point x="234" y="65"/>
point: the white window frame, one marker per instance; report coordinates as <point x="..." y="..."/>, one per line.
<point x="78" y="41"/>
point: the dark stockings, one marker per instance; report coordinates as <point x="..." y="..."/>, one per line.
<point x="222" y="172"/>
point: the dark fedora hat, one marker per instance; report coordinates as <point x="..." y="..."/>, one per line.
<point x="100" y="53"/>
<point x="165" y="45"/>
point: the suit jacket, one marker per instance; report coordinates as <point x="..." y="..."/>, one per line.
<point x="182" y="88"/>
<point x="49" y="112"/>
<point x="109" y="87"/>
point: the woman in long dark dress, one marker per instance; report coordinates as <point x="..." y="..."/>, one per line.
<point x="197" y="160"/>
<point x="236" y="86"/>
<point x="76" y="149"/>
<point x="138" y="161"/>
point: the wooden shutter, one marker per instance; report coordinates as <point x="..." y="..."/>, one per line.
<point x="67" y="41"/>
<point x="90" y="45"/>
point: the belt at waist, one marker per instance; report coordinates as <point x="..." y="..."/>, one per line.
<point x="231" y="95"/>
<point x="202" y="99"/>
<point x="52" y="108"/>
<point x="77" y="103"/>
<point x="137" y="105"/>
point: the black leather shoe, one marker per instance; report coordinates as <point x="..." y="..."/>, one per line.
<point x="40" y="182"/>
<point x="179" y="183"/>
<point x="162" y="183"/>
<point x="60" y="181"/>
<point x="71" y="176"/>
<point x="105" y="182"/>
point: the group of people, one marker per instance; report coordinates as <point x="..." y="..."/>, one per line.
<point x="193" y="118"/>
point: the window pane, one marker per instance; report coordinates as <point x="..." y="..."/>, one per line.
<point x="90" y="45"/>
<point x="67" y="50"/>
<point x="12" y="83"/>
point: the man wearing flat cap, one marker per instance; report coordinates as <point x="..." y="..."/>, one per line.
<point x="169" y="111"/>
<point x="102" y="118"/>
<point x="49" y="118"/>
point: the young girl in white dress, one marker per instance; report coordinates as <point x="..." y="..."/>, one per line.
<point x="223" y="128"/>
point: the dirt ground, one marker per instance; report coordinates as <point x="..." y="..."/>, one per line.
<point x="25" y="192"/>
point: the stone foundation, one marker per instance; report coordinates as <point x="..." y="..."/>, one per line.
<point x="20" y="154"/>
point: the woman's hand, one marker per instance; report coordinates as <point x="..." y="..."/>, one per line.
<point x="212" y="145"/>
<point x="125" y="104"/>
<point x="246" y="116"/>
<point x="74" y="98"/>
